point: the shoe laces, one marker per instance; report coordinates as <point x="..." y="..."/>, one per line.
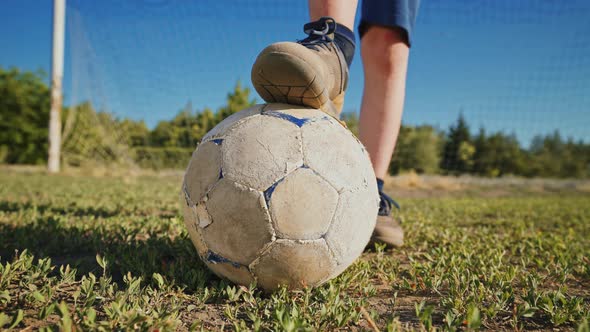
<point x="319" y="32"/>
<point x="386" y="204"/>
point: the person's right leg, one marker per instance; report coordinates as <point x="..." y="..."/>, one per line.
<point x="343" y="11"/>
<point x="314" y="71"/>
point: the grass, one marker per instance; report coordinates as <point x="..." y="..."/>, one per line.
<point x="99" y="253"/>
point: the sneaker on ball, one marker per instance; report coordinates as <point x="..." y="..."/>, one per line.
<point x="310" y="72"/>
<point x="388" y="229"/>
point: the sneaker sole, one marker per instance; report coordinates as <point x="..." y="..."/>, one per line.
<point x="388" y="231"/>
<point x="390" y="242"/>
<point x="281" y="77"/>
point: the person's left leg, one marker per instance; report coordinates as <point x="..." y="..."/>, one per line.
<point x="385" y="55"/>
<point x="385" y="31"/>
<point x="385" y="58"/>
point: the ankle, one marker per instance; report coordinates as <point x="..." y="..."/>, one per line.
<point x="346" y="41"/>
<point x="380" y="184"/>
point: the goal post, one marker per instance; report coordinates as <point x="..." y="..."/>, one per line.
<point x="57" y="64"/>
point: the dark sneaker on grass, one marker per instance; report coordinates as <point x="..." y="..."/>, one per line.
<point x="311" y="72"/>
<point x="388" y="229"/>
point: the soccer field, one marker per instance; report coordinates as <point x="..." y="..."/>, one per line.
<point x="88" y="253"/>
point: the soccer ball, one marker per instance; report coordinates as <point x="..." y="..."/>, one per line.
<point x="280" y="195"/>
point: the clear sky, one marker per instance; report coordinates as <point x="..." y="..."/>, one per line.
<point x="516" y="66"/>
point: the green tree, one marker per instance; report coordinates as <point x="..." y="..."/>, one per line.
<point x="182" y="131"/>
<point x="418" y="149"/>
<point x="458" y="150"/>
<point x="546" y="152"/>
<point x="136" y="132"/>
<point x="24" y="116"/>
<point x="577" y="160"/>
<point x="188" y="126"/>
<point x="206" y="121"/>
<point x="552" y="156"/>
<point x="497" y="155"/>
<point x="237" y="100"/>
<point x="352" y="122"/>
<point x="93" y="136"/>
<point x="162" y="134"/>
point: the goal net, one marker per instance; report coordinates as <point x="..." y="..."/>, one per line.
<point x="494" y="87"/>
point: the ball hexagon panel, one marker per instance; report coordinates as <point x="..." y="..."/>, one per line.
<point x="260" y="151"/>
<point x="341" y="267"/>
<point x="368" y="172"/>
<point x="302" y="205"/>
<point x="334" y="152"/>
<point x="224" y="126"/>
<point x="294" y="264"/>
<point x="191" y="220"/>
<point x="353" y="224"/>
<point x="204" y="169"/>
<point x="240" y="224"/>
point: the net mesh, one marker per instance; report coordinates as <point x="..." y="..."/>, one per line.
<point x="517" y="70"/>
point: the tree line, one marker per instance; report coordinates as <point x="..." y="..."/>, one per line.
<point x="96" y="136"/>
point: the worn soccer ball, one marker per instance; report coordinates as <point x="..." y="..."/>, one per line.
<point x="280" y="195"/>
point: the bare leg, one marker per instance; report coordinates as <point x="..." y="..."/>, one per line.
<point x="343" y="11"/>
<point x="385" y="61"/>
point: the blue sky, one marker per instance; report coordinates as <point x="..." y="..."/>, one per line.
<point x="515" y="66"/>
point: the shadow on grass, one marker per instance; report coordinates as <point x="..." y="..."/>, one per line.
<point x="140" y="255"/>
<point x="7" y="206"/>
<point x="73" y="210"/>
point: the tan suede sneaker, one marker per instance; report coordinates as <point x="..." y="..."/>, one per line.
<point x="311" y="72"/>
<point x="388" y="229"/>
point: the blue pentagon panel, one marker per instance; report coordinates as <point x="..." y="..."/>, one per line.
<point x="298" y="122"/>
<point x="268" y="192"/>
<point x="298" y="115"/>
<point x="228" y="269"/>
<point x="218" y="141"/>
<point x="216" y="258"/>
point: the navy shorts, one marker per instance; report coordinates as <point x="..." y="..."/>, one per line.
<point x="389" y="13"/>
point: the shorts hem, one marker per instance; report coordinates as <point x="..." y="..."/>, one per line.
<point x="397" y="21"/>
